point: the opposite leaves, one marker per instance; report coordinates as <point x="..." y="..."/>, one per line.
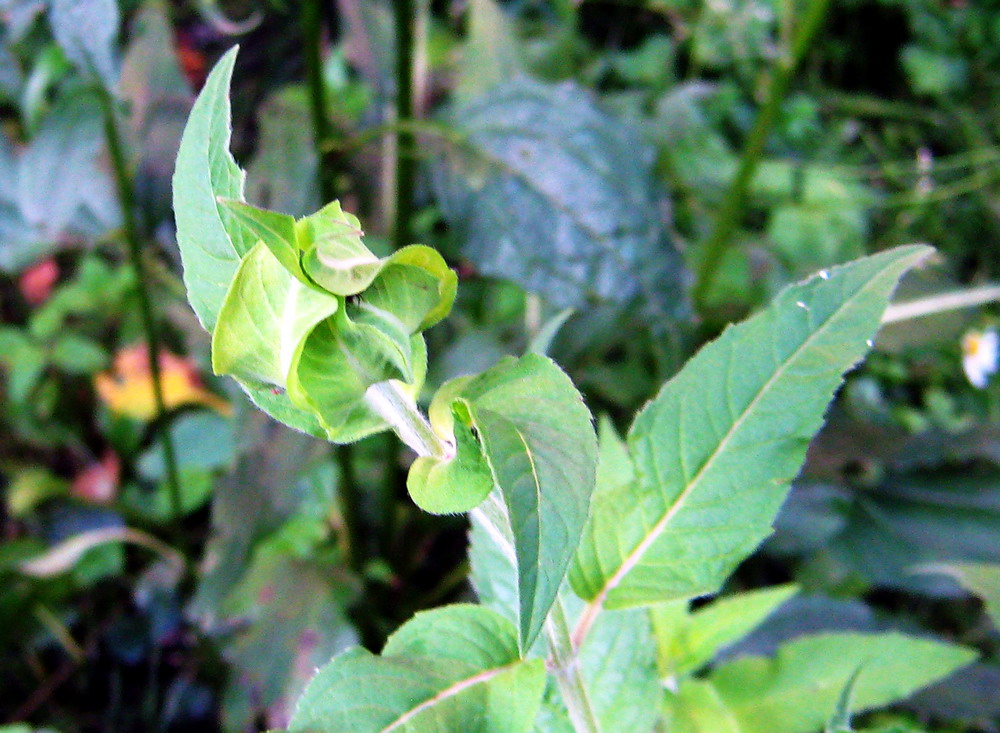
<point x="715" y="451"/>
<point x="452" y="669"/>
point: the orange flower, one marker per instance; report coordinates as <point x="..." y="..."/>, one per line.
<point x="128" y="388"/>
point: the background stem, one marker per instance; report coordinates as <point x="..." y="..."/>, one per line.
<point x="405" y="159"/>
<point x="312" y="37"/>
<point x="734" y="203"/>
<point x="564" y="667"/>
<point x="126" y="199"/>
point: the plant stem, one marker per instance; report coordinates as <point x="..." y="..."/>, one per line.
<point x="941" y="302"/>
<point x="405" y="144"/>
<point x="492" y="515"/>
<point x="406" y="420"/>
<point x="564" y="666"/>
<point x="734" y="202"/>
<point x="312" y="36"/>
<point x="126" y="199"/>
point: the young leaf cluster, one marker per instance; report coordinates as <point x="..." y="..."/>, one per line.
<point x="585" y="553"/>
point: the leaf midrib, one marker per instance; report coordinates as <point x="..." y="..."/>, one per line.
<point x="636" y="555"/>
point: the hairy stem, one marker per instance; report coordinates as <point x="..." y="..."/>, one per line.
<point x="492" y="515"/>
<point x="734" y="202"/>
<point x="398" y="409"/>
<point x="126" y="199"/>
<point x="565" y="667"/>
<point x="405" y="160"/>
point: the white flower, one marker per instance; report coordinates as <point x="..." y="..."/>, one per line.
<point x="979" y="355"/>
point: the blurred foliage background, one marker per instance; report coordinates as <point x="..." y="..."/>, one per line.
<point x="619" y="179"/>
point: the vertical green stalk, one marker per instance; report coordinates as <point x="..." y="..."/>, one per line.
<point x="405" y="142"/>
<point x="126" y="199"/>
<point x="734" y="202"/>
<point x="566" y="669"/>
<point x="312" y="37"/>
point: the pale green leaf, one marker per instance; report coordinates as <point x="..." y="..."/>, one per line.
<point x="275" y="230"/>
<point x="715" y="451"/>
<point x="614" y="467"/>
<point x="687" y="641"/>
<point x="697" y="708"/>
<point x="794" y="691"/>
<point x="452" y="669"/>
<point x="539" y="443"/>
<point x="265" y="320"/>
<point x="205" y="171"/>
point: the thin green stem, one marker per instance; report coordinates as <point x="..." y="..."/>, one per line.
<point x="406" y="164"/>
<point x="350" y="506"/>
<point x="312" y="36"/>
<point x="562" y="662"/>
<point x="126" y="199"/>
<point x="565" y="668"/>
<point x="734" y="203"/>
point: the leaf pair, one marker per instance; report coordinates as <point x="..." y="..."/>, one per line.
<point x="454" y="668"/>
<point x="302" y="314"/>
<point x="522" y="427"/>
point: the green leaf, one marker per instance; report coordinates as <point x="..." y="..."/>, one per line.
<point x="265" y="320"/>
<point x="548" y="190"/>
<point x="538" y="441"/>
<point x="335" y="257"/>
<point x="793" y="692"/>
<point x="211" y="244"/>
<point x="697" y="708"/>
<point x="87" y="31"/>
<point x="715" y="451"/>
<point x="275" y="230"/>
<point x="454" y="668"/>
<point x="687" y="641"/>
<point x="982" y="579"/>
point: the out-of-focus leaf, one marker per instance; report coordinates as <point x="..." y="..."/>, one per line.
<point x="697" y="708"/>
<point x="689" y="640"/>
<point x="491" y="54"/>
<point x="454" y="668"/>
<point x="159" y="101"/>
<point x="30" y="487"/>
<point x="59" y="172"/>
<point x="291" y="615"/>
<point x="982" y="579"/>
<point x="128" y="388"/>
<point x="87" y="32"/>
<point x="203" y="441"/>
<point x="547" y="190"/>
<point x="794" y="692"/>
<point x="283" y="172"/>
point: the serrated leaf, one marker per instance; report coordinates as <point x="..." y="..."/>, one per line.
<point x="87" y="31"/>
<point x="715" y="451"/>
<point x="454" y="668"/>
<point x="548" y="190"/>
<point x="265" y="320"/>
<point x="793" y="692"/>
<point x="206" y="171"/>
<point x="539" y="443"/>
<point x="687" y="641"/>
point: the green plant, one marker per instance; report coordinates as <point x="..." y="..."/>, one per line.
<point x="586" y="549"/>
